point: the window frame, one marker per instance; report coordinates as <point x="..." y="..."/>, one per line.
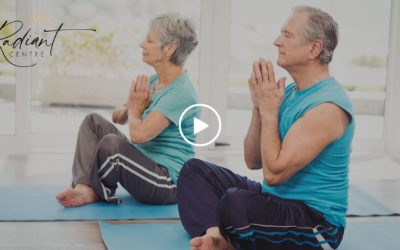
<point x="19" y="142"/>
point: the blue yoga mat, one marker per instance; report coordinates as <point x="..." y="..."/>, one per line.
<point x="144" y="236"/>
<point x="358" y="235"/>
<point x="362" y="204"/>
<point x="40" y="204"/>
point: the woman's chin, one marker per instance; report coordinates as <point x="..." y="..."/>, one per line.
<point x="148" y="63"/>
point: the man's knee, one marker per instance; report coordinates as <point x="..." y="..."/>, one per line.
<point x="232" y="205"/>
<point x="190" y="168"/>
<point x="189" y="176"/>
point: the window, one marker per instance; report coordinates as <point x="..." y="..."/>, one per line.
<point x="92" y="71"/>
<point x="7" y="72"/>
<point x="359" y="63"/>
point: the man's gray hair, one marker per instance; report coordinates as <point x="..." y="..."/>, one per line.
<point x="172" y="28"/>
<point x="320" y="25"/>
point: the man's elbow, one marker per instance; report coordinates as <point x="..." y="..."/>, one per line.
<point x="252" y="165"/>
<point x="275" y="176"/>
<point x="249" y="164"/>
<point x="273" y="180"/>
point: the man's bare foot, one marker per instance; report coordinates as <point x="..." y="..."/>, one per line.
<point x="209" y="242"/>
<point x="78" y="196"/>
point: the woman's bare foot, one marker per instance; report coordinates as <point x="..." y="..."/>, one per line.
<point x="78" y="196"/>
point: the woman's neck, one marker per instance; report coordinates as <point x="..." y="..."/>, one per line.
<point x="167" y="73"/>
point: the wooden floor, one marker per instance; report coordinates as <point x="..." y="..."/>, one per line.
<point x="379" y="175"/>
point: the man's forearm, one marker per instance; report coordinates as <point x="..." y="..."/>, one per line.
<point x="252" y="142"/>
<point x="270" y="144"/>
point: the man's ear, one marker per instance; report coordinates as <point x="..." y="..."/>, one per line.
<point x="316" y="49"/>
<point x="170" y="49"/>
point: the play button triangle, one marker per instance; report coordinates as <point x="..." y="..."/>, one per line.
<point x="199" y="125"/>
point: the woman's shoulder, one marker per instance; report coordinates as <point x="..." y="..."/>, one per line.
<point x="184" y="88"/>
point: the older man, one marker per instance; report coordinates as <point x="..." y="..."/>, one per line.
<point x="300" y="136"/>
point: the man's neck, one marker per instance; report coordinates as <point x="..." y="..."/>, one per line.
<point x="309" y="75"/>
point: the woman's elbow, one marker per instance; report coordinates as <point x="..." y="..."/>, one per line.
<point x="138" y="138"/>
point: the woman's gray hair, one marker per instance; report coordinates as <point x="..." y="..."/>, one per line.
<point x="320" y="25"/>
<point x="171" y="27"/>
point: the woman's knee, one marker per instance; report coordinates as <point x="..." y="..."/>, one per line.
<point x="91" y="120"/>
<point x="111" y="143"/>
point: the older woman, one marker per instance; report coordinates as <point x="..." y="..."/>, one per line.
<point x="146" y="164"/>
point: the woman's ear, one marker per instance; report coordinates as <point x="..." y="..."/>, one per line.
<point x="170" y="49"/>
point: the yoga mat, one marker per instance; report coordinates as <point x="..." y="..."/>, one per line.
<point x="144" y="236"/>
<point x="40" y="204"/>
<point x="362" y="204"/>
<point x="363" y="235"/>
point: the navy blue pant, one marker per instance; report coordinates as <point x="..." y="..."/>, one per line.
<point x="212" y="196"/>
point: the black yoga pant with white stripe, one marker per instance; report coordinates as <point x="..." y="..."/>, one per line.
<point x="213" y="196"/>
<point x="105" y="158"/>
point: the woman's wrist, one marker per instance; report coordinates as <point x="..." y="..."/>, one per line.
<point x="134" y="113"/>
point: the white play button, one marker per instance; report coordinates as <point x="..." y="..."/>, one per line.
<point x="199" y="125"/>
<point x="212" y="127"/>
